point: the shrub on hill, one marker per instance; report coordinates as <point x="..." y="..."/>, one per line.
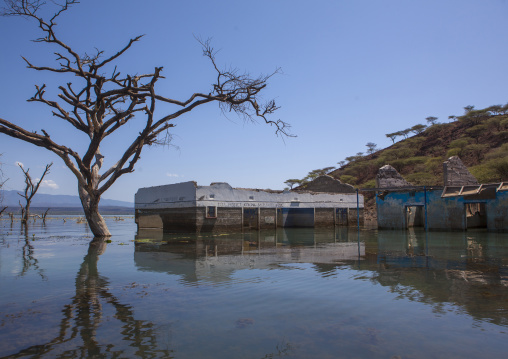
<point x="479" y="138"/>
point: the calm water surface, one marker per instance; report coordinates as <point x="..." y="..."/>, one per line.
<point x="291" y="293"/>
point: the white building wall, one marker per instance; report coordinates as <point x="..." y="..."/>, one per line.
<point x="167" y="196"/>
<point x="188" y="194"/>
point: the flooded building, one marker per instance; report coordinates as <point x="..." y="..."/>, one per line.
<point x="462" y="203"/>
<point x="187" y="207"/>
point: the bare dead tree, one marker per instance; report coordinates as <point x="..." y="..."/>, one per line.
<point x="44" y="216"/>
<point x="98" y="105"/>
<point x="2" y="182"/>
<point x="22" y="210"/>
<point x="31" y="188"/>
<point x="2" y="210"/>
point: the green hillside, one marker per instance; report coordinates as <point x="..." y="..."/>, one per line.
<point x="479" y="138"/>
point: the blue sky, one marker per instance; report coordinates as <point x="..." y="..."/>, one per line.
<point x="352" y="72"/>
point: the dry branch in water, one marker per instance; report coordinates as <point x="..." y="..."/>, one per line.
<point x="31" y="189"/>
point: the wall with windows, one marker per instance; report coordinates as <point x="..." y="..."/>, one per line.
<point x="219" y="207"/>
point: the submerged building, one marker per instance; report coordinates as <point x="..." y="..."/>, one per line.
<point x="462" y="203"/>
<point x="187" y="207"/>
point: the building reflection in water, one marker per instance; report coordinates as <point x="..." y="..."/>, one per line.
<point x="468" y="269"/>
<point x="214" y="258"/>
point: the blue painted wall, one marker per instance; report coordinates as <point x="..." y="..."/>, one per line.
<point x="497" y="212"/>
<point x="442" y="213"/>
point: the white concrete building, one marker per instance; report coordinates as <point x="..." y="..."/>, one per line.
<point x="219" y="207"/>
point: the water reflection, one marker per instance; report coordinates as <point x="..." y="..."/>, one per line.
<point x="210" y="258"/>
<point x="30" y="261"/>
<point x="465" y="269"/>
<point x="81" y="333"/>
<point x="468" y="269"/>
<point x="298" y="293"/>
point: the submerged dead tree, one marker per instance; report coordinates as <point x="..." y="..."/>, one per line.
<point x="31" y="188"/>
<point x="1" y="185"/>
<point x="98" y="105"/>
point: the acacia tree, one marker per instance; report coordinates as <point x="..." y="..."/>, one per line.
<point x="405" y="132"/>
<point x="291" y="182"/>
<point x="98" y="105"/>
<point x="392" y="136"/>
<point x="431" y="120"/>
<point x="468" y="109"/>
<point x="371" y="147"/>
<point x="416" y="129"/>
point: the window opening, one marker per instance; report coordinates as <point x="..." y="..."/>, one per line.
<point x="211" y="212"/>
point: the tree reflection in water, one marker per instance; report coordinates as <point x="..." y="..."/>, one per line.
<point x="29" y="260"/>
<point x="78" y="330"/>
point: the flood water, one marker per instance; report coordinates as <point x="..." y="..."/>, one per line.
<point x="299" y="293"/>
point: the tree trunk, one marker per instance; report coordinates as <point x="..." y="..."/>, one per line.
<point x="26" y="216"/>
<point x="90" y="205"/>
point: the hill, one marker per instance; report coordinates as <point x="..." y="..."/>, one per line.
<point x="479" y="138"/>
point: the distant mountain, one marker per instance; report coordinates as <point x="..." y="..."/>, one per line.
<point x="11" y="199"/>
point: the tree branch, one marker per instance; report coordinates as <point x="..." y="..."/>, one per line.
<point x="45" y="141"/>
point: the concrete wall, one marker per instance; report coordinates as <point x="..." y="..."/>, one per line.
<point x="445" y="213"/>
<point x="324" y="217"/>
<point x="388" y="177"/>
<point x="442" y="213"/>
<point x="497" y="212"/>
<point x="149" y="221"/>
<point x="456" y="174"/>
<point x="228" y="220"/>
<point x="178" y="219"/>
<point x="188" y="194"/>
<point x="173" y="195"/>
<point x="353" y="217"/>
<point x="182" y="207"/>
<point x="268" y="218"/>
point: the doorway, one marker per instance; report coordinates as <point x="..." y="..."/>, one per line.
<point x="342" y="216"/>
<point x="415" y="216"/>
<point x="250" y="218"/>
<point x="298" y="217"/>
<point x="476" y="215"/>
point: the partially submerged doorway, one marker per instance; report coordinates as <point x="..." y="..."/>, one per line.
<point x="476" y="215"/>
<point x="415" y="216"/>
<point x="342" y="216"/>
<point x="251" y="218"/>
<point x="298" y="217"/>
